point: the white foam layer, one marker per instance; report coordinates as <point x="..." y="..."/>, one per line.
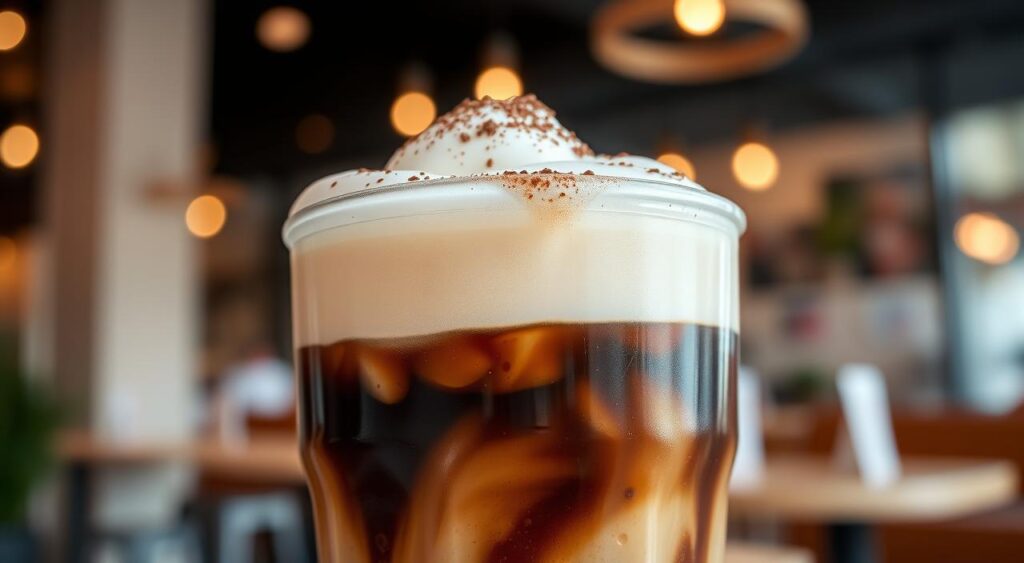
<point x="562" y="252"/>
<point x="433" y="273"/>
<point x="481" y="135"/>
<point x="489" y="138"/>
<point x="623" y="167"/>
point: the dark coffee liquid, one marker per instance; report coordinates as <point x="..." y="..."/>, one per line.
<point x="527" y="444"/>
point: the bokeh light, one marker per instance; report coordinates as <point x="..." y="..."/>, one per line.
<point x="205" y="216"/>
<point x="12" y="29"/>
<point x="680" y="163"/>
<point x="412" y="112"/>
<point x="498" y="82"/>
<point x="283" y="29"/>
<point x="755" y="166"/>
<point x="700" y="17"/>
<point x="986" y="238"/>
<point x="19" y="146"/>
<point x="8" y="253"/>
<point x="314" y="134"/>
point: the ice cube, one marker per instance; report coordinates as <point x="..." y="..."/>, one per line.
<point x="455" y="364"/>
<point x="529" y="357"/>
<point x="333" y="360"/>
<point x="596" y="411"/>
<point x="383" y="374"/>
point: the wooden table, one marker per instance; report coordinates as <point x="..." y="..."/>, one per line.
<point x="272" y="459"/>
<point x="812" y="489"/>
<point x="738" y="552"/>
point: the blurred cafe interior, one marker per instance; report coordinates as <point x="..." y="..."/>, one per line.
<point x="150" y="151"/>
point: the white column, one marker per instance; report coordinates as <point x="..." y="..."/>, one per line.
<point x="146" y="285"/>
<point x="125" y="109"/>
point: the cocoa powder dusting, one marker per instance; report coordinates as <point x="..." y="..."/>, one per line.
<point x="488" y="128"/>
<point x="525" y="114"/>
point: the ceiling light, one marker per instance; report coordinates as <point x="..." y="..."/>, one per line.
<point x="680" y="163"/>
<point x="500" y="83"/>
<point x="205" y="216"/>
<point x="19" y="146"/>
<point x="283" y="29"/>
<point x="699" y="17"/>
<point x="412" y="112"/>
<point x="986" y="238"/>
<point x="755" y="166"/>
<point x="12" y="29"/>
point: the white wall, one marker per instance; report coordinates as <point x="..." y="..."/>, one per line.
<point x="809" y="158"/>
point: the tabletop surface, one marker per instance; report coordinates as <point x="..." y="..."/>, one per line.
<point x="930" y="489"/>
<point x="267" y="457"/>
<point x="806" y="488"/>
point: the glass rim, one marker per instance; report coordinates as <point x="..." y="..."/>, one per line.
<point x="689" y="195"/>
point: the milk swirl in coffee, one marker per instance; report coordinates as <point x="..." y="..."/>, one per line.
<point x="512" y="349"/>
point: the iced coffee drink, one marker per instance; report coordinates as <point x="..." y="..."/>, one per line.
<point x="511" y="349"/>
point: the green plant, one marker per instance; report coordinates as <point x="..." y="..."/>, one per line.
<point x="28" y="420"/>
<point x="802" y="385"/>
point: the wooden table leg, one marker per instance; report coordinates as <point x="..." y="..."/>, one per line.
<point x="77" y="523"/>
<point x="308" y="525"/>
<point x="852" y="542"/>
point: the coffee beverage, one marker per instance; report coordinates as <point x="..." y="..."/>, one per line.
<point x="511" y="349"/>
<point x="558" y="437"/>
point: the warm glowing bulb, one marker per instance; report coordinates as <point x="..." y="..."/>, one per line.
<point x="19" y="146"/>
<point x="498" y="82"/>
<point x="314" y="134"/>
<point x="755" y="166"/>
<point x="12" y="29"/>
<point x="205" y="216"/>
<point x="680" y="163"/>
<point x="8" y="253"/>
<point x="986" y="238"/>
<point x="412" y="112"/>
<point x="283" y="29"/>
<point x="700" y="17"/>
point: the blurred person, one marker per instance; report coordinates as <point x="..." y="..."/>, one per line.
<point x="252" y="394"/>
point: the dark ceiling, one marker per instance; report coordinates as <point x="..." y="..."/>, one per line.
<point x="19" y="103"/>
<point x="865" y="58"/>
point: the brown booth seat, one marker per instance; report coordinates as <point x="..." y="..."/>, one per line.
<point x="993" y="536"/>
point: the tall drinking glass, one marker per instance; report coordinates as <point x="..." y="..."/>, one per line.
<point x="483" y="378"/>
